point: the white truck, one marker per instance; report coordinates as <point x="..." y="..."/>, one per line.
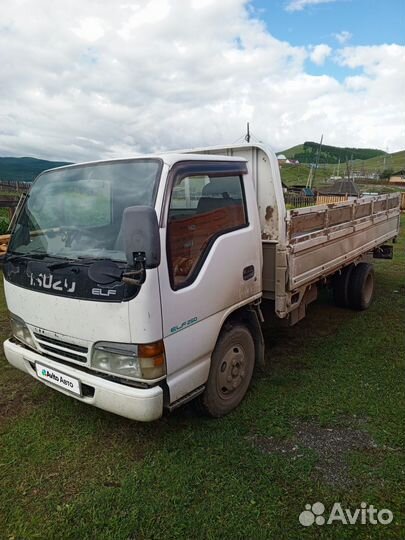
<point x="135" y="284"/>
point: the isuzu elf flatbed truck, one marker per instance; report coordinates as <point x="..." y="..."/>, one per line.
<point x="135" y="285"/>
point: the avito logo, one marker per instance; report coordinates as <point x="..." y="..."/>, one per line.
<point x="366" y="514"/>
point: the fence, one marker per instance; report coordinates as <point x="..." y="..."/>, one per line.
<point x="330" y="199"/>
<point x="10" y="204"/>
<point x="295" y="200"/>
<point x="403" y="201"/>
<point x="14" y="186"/>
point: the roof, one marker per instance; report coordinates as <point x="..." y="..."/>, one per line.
<point x="168" y="158"/>
<point x="342" y="187"/>
<point x="281" y="156"/>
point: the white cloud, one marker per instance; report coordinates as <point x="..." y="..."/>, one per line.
<point x="343" y="36"/>
<point x="84" y="80"/>
<point x="319" y="53"/>
<point x="90" y="29"/>
<point x="299" y="5"/>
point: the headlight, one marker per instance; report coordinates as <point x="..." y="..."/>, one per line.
<point x="20" y="331"/>
<point x="130" y="361"/>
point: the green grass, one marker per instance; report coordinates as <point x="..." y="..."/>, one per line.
<point x="394" y="161"/>
<point x="298" y="174"/>
<point x="4" y="214"/>
<point x="290" y="152"/>
<point x="68" y="470"/>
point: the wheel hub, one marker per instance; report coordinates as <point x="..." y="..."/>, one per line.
<point x="232" y="371"/>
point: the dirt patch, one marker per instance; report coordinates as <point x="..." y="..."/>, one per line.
<point x="18" y="398"/>
<point x="331" y="446"/>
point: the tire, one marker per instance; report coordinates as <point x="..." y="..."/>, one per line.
<point x="361" y="287"/>
<point x="341" y="287"/>
<point x="231" y="371"/>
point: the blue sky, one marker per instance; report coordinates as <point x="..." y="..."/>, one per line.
<point x="369" y="22"/>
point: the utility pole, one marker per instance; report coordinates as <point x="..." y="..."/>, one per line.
<point x="247" y="136"/>
<point x="317" y="160"/>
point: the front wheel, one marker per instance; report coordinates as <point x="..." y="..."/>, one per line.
<point x="231" y="371"/>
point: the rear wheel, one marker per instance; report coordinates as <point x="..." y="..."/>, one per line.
<point x="341" y="287"/>
<point x="232" y="364"/>
<point x="361" y="287"/>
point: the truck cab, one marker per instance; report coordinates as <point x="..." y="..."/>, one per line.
<point x="114" y="280"/>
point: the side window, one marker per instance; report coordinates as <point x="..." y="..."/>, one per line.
<point x="201" y="209"/>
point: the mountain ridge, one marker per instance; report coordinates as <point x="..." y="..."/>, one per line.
<point x="25" y="169"/>
<point x="307" y="153"/>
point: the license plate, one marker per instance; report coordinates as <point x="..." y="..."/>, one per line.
<point x="58" y="379"/>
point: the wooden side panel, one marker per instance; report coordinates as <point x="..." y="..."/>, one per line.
<point x="305" y="223"/>
<point x="339" y="215"/>
<point x="380" y="206"/>
<point x="324" y="240"/>
<point x="362" y="210"/>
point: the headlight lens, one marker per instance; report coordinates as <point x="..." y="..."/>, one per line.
<point x="130" y="361"/>
<point x="20" y="331"/>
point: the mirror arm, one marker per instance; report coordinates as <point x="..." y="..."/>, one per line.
<point x="139" y="259"/>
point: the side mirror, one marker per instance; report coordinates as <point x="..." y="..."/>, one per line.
<point x="141" y="236"/>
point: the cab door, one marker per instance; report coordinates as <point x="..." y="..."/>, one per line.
<point x="212" y="263"/>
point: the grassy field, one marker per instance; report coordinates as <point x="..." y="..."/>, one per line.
<point x="298" y="174"/>
<point x="324" y="422"/>
<point x="394" y="161"/>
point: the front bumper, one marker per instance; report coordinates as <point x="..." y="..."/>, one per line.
<point x="134" y="403"/>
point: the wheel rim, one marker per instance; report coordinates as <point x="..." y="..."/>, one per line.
<point x="368" y="288"/>
<point x="232" y="372"/>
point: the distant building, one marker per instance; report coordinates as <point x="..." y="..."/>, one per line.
<point x="282" y="159"/>
<point x="342" y="187"/>
<point x="398" y="177"/>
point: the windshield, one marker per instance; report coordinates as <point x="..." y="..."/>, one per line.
<point x="77" y="212"/>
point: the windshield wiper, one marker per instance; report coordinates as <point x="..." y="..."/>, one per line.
<point x="13" y="255"/>
<point x="79" y="261"/>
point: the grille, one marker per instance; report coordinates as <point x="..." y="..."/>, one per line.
<point x="60" y="349"/>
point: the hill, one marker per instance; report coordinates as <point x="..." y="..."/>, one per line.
<point x="393" y="162"/>
<point x="298" y="174"/>
<point x="24" y="169"/>
<point x="306" y="153"/>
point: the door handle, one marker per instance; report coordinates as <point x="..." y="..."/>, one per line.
<point x="248" y="272"/>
